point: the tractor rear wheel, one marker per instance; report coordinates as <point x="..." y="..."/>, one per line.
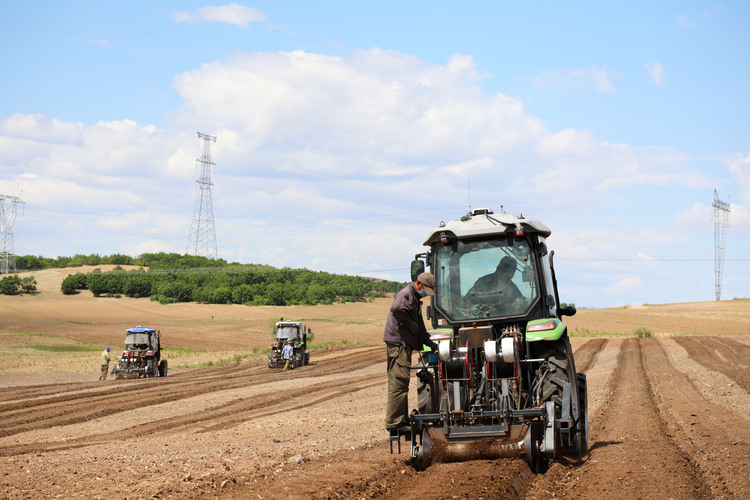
<point x="163" y="368"/>
<point x="561" y="370"/>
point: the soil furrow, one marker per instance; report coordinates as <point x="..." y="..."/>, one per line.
<point x="586" y="355"/>
<point x="223" y="416"/>
<point x="76" y="408"/>
<point x="723" y="355"/>
<point x="630" y="448"/>
<point x="715" y="439"/>
<point x="26" y="396"/>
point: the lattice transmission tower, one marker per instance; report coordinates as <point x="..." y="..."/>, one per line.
<point x="721" y="222"/>
<point x="8" y="210"/>
<point x="202" y="237"/>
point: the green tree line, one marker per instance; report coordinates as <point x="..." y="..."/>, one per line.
<point x="12" y="284"/>
<point x="175" y="278"/>
<point x="159" y="260"/>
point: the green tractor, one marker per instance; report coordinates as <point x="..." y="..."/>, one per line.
<point x="503" y="380"/>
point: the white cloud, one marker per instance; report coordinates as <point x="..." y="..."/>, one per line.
<point x="150" y="246"/>
<point x="686" y="22"/>
<point x="342" y="164"/>
<point x="629" y="284"/>
<point x="40" y="128"/>
<point x="368" y="114"/>
<point x="695" y="213"/>
<point x="238" y="15"/>
<point x="740" y="168"/>
<point x="581" y="81"/>
<point x="656" y="73"/>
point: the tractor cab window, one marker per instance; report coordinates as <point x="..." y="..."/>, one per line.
<point x="286" y="332"/>
<point x="137" y="341"/>
<point x="485" y="279"/>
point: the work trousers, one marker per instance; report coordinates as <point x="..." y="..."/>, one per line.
<point x="399" y="362"/>
<point x="105" y="369"/>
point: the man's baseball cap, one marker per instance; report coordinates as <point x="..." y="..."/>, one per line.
<point x="107" y="348"/>
<point x="428" y="282"/>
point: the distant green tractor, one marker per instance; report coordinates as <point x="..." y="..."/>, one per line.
<point x="296" y="334"/>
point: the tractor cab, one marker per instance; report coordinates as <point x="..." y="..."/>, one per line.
<point x="289" y="330"/>
<point x="139" y="341"/>
<point x="294" y="332"/>
<point x="142" y="355"/>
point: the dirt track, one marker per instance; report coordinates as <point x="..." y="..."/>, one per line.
<point x="663" y="424"/>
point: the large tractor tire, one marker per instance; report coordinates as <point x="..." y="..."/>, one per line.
<point x="163" y="368"/>
<point x="561" y="370"/>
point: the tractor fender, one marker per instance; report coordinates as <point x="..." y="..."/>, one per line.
<point x="544" y="329"/>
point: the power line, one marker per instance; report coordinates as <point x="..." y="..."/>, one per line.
<point x="644" y="259"/>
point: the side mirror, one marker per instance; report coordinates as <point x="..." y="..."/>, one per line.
<point x="417" y="268"/>
<point x="567" y="311"/>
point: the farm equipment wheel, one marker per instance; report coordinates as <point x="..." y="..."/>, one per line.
<point x="561" y="370"/>
<point x="307" y="358"/>
<point x="582" y="436"/>
<point x="532" y="443"/>
<point x="163" y="368"/>
<point x="422" y="459"/>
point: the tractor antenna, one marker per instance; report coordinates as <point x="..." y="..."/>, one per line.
<point x="721" y="222"/>
<point x="8" y="210"/>
<point x="468" y="186"/>
<point x="202" y="237"/>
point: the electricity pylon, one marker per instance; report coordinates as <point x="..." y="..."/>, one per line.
<point x="721" y="221"/>
<point x="7" y="219"/>
<point x="202" y="237"/>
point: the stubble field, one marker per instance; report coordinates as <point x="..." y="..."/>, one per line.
<point x="669" y="410"/>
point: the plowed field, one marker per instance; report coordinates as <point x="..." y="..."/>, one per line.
<point x="669" y="415"/>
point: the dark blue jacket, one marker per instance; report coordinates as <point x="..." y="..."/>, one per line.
<point x="405" y="324"/>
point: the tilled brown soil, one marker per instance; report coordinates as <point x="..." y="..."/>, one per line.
<point x="669" y="418"/>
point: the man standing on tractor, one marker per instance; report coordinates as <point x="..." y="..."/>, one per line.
<point x="286" y="353"/>
<point x="106" y="358"/>
<point x="404" y="332"/>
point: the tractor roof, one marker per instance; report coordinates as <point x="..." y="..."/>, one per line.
<point x="289" y="323"/>
<point x="140" y="329"/>
<point x="484" y="222"/>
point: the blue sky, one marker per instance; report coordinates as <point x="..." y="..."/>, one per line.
<point x="346" y="130"/>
